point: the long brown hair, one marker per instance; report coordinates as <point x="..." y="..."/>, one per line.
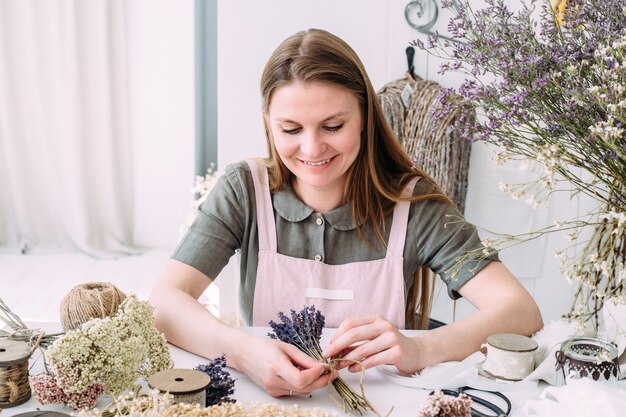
<point x="382" y="168"/>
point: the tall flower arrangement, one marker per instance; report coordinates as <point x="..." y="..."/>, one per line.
<point x="549" y="84"/>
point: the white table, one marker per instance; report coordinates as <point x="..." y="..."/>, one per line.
<point x="382" y="393"/>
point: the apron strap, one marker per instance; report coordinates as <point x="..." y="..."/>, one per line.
<point x="264" y="208"/>
<point x="400" y="221"/>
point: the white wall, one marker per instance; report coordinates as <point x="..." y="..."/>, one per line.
<point x="161" y="72"/>
<point x="249" y="31"/>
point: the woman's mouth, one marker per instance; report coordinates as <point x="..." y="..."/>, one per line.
<point x="317" y="163"/>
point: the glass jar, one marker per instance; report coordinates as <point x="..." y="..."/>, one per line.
<point x="586" y="357"/>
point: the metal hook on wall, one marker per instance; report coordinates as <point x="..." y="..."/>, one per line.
<point x="415" y="15"/>
<point x="410" y="53"/>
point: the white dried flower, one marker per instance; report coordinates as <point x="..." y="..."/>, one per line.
<point x="114" y="351"/>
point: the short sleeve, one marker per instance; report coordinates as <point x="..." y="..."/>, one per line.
<point x="218" y="228"/>
<point x="443" y="236"/>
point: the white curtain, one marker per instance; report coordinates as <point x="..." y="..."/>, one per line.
<point x="65" y="152"/>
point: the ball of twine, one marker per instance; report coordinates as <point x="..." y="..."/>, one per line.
<point x="88" y="301"/>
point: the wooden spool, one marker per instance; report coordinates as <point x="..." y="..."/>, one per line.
<point x="14" y="384"/>
<point x="186" y="385"/>
<point x="512" y="342"/>
<point x="510" y="357"/>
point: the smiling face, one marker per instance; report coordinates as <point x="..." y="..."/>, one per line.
<point x="316" y="129"/>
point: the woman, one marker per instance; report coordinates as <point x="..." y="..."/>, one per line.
<point x="337" y="217"/>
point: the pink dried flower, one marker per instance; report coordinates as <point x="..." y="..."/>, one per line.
<point x="47" y="390"/>
<point x="439" y="405"/>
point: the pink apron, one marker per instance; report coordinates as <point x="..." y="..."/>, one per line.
<point x="284" y="283"/>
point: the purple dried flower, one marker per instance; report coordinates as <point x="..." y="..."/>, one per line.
<point x="303" y="329"/>
<point x="222" y="384"/>
<point x="557" y="80"/>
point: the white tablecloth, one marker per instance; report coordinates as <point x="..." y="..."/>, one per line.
<point x="382" y="393"/>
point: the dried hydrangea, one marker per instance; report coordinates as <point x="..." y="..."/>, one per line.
<point x="439" y="405"/>
<point x="222" y="384"/>
<point x="114" y="351"/>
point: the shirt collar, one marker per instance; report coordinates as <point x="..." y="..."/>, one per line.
<point x="291" y="208"/>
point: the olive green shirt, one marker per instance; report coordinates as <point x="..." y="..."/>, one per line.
<point x="227" y="222"/>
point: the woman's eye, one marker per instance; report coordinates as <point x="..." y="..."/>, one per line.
<point x="291" y="131"/>
<point x="333" y="128"/>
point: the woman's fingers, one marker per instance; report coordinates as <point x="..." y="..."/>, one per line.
<point x="320" y="382"/>
<point x="365" y="342"/>
<point x="300" y="358"/>
<point x="304" y="374"/>
<point x="293" y="381"/>
<point x="356" y="330"/>
<point x="285" y="369"/>
<point x="299" y="384"/>
<point x="351" y="323"/>
<point x="369" y="354"/>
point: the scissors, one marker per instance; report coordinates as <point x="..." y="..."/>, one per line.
<point x="481" y="400"/>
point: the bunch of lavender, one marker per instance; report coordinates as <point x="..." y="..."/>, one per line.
<point x="222" y="384"/>
<point x="304" y="330"/>
<point x="548" y="85"/>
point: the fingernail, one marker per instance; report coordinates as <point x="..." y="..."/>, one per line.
<point x="325" y="353"/>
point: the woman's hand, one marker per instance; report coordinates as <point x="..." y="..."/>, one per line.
<point x="279" y="368"/>
<point x="282" y="369"/>
<point x="373" y="341"/>
<point x="504" y="306"/>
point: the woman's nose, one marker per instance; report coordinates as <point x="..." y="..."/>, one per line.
<point x="312" y="144"/>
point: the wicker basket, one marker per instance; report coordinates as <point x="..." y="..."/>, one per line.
<point x="433" y="144"/>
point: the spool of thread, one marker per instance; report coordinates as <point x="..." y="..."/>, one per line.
<point x="510" y="357"/>
<point x="88" y="301"/>
<point x="14" y="385"/>
<point x="42" y="413"/>
<point x="186" y="385"/>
